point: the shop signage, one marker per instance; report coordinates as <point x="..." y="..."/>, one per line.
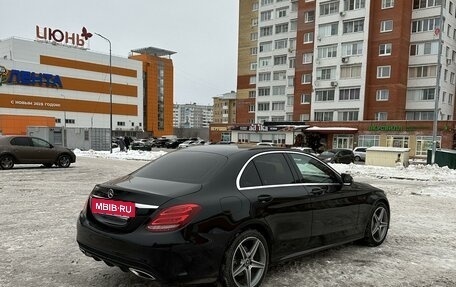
<point x="256" y="128"/>
<point x="57" y="36"/>
<point x="28" y="78"/>
<point x="385" y="128"/>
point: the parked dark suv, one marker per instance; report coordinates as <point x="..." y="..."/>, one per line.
<point x="337" y="156"/>
<point x="25" y="149"/>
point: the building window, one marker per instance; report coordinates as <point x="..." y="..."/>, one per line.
<point x="280" y="60"/>
<point x="255" y="6"/>
<point x="291" y="62"/>
<point x="292" y="44"/>
<point x="264" y="77"/>
<point x="265" y="47"/>
<point x="423" y="72"/>
<point x="263" y="106"/>
<point x="324" y="95"/>
<point x="368" y="140"/>
<point x="381" y="116"/>
<point x="354" y="4"/>
<point x="281" y="28"/>
<point x="254" y="22"/>
<point x="279" y="75"/>
<point x="420" y="4"/>
<point x="386" y="26"/>
<point x="382" y="95"/>
<point x="72" y="121"/>
<point x="419" y="115"/>
<point x="309" y="16"/>
<point x="86" y="135"/>
<point x="266" y="2"/>
<point x="252" y="94"/>
<point x="266" y="31"/>
<point x="307" y="58"/>
<point x="251" y="108"/>
<point x="266" y="16"/>
<point x="278" y="90"/>
<point x="264" y="91"/>
<point x="290" y="100"/>
<point x="425" y="48"/>
<point x="350" y="72"/>
<point x="282" y="12"/>
<point x="253" y="66"/>
<point x="306" y="79"/>
<point x="305" y="99"/>
<point x="424" y="143"/>
<point x="58" y="121"/>
<point x="348" y="116"/>
<point x="383" y="72"/>
<point x="280" y="44"/>
<point x="327" y="51"/>
<point x="121" y="124"/>
<point x="323" y="116"/>
<point x="327" y="73"/>
<point x="278" y="106"/>
<point x="352" y="49"/>
<point x="290" y="81"/>
<point x="349" y="94"/>
<point x="384" y="49"/>
<point x="304" y="117"/>
<point x="308" y="37"/>
<point x="387" y="4"/>
<point x="397" y="141"/>
<point x="253" y="51"/>
<point x="254" y="36"/>
<point x="329" y="8"/>
<point x="252" y="80"/>
<point x="427" y="94"/>
<point x="327" y="30"/>
<point x="424" y="25"/>
<point x="264" y="61"/>
<point x="353" y="26"/>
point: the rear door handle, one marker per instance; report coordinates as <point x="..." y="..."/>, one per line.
<point x="264" y="198"/>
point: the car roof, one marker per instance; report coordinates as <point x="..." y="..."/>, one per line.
<point x="228" y="150"/>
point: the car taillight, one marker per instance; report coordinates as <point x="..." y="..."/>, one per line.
<point x="173" y="218"/>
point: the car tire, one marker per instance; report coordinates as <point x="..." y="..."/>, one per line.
<point x="357" y="158"/>
<point x="246" y="260"/>
<point x="64" y="161"/>
<point x="377" y="226"/>
<point x="6" y="162"/>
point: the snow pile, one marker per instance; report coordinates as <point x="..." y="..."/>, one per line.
<point x="122" y="155"/>
<point x="413" y="172"/>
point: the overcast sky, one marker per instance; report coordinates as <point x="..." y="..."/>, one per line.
<point x="203" y="33"/>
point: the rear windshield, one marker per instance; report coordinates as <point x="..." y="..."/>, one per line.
<point x="189" y="167"/>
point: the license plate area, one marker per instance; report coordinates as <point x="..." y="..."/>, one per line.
<point x="123" y="209"/>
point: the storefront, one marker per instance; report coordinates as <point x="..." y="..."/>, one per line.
<point x="416" y="135"/>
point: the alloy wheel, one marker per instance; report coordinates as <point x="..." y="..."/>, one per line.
<point x="249" y="262"/>
<point x="379" y="224"/>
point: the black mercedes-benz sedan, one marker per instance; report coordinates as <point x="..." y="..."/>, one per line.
<point x="224" y="213"/>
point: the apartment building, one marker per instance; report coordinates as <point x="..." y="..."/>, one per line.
<point x="346" y="73"/>
<point x="225" y="108"/>
<point x="192" y="116"/>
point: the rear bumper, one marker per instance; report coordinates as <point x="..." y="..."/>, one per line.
<point x="167" y="256"/>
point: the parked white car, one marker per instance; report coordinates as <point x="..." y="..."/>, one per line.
<point x="360" y="153"/>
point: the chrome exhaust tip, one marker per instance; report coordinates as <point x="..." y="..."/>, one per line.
<point x="141" y="274"/>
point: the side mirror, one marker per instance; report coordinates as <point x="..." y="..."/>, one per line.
<point x="347" y="179"/>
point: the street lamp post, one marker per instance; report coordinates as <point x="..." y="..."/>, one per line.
<point x="437" y="88"/>
<point x="110" y="91"/>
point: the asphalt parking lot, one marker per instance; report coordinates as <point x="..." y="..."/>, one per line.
<point x="39" y="208"/>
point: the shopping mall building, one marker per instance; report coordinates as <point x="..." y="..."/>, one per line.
<point x="54" y="81"/>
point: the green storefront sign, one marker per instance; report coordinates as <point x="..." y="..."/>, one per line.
<point x="385" y="128"/>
